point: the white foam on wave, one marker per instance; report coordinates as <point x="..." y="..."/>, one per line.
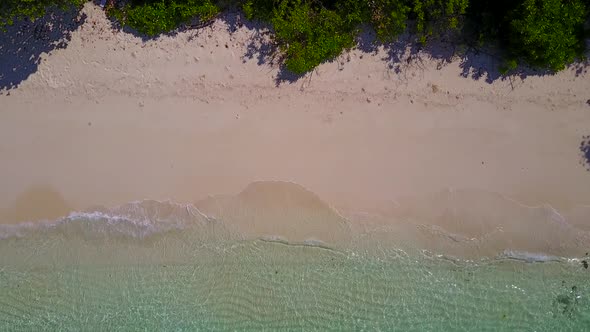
<point x="286" y="201"/>
<point x="274" y="238"/>
<point x="529" y="257"/>
<point x="136" y="219"/>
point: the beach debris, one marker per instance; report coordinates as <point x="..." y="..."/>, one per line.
<point x="588" y="102"/>
<point x="368" y="100"/>
<point x="89" y="124"/>
<point x="585" y="264"/>
<point x="435" y="88"/>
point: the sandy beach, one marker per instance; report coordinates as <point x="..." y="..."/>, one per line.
<point x="111" y="119"/>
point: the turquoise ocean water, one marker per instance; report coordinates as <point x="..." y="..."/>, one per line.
<point x="115" y="271"/>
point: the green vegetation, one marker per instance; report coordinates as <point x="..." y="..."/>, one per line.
<point x="306" y="32"/>
<point x="153" y="17"/>
<point x="547" y="34"/>
<point x="388" y="18"/>
<point x="312" y="31"/>
<point x="12" y="10"/>
<point x="437" y="16"/>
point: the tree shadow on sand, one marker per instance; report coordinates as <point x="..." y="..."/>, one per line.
<point x="260" y="45"/>
<point x="22" y="44"/>
<point x="476" y="63"/>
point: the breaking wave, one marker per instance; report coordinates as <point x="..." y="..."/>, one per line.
<point x="466" y="223"/>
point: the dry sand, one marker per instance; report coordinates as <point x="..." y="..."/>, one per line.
<point x="112" y="119"/>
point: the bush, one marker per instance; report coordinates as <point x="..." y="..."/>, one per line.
<point x="544" y="33"/>
<point x="11" y="10"/>
<point x="388" y="18"/>
<point x="307" y="32"/>
<point x="153" y="17"/>
<point x="437" y="16"/>
<point x="548" y="33"/>
<point x="309" y="36"/>
<point x="259" y="9"/>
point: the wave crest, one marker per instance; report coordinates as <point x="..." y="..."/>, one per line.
<point x="139" y="219"/>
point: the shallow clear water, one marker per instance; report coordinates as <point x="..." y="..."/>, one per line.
<point x="97" y="272"/>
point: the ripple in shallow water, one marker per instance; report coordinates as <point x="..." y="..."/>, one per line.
<point x="166" y="266"/>
<point x="260" y="285"/>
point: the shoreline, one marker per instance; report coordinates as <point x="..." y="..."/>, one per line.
<point x="111" y="119"/>
<point x="464" y="224"/>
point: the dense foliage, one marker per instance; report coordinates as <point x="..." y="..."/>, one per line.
<point x="11" y="10"/>
<point x="547" y="34"/>
<point x="153" y="17"/>
<point x="542" y="33"/>
<point x="306" y="32"/>
<point x="436" y="16"/>
<point x="312" y="31"/>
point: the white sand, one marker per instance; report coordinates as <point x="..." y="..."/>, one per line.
<point x="112" y="119"/>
